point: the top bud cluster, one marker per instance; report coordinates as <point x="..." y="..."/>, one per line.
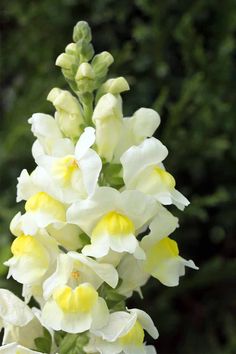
<point x="95" y="226"/>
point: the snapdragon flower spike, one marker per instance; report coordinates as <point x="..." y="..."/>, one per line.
<point x="94" y="228"/>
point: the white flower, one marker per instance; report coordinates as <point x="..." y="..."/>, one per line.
<point x="19" y="322"/>
<point x="124" y="333"/>
<point x="33" y="258"/>
<point x="143" y="170"/>
<point x="75" y="310"/>
<point x="107" y="117"/>
<point x="112" y="220"/>
<point x="74" y="268"/>
<point x="75" y="173"/>
<point x="162" y="254"/>
<point x="135" y="129"/>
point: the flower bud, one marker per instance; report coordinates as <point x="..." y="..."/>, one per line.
<point x="65" y="61"/>
<point x="69" y="112"/>
<point x="101" y="63"/>
<point x="85" y="78"/>
<point x="114" y="86"/>
<point x="107" y="118"/>
<point x="71" y="49"/>
<point x="82" y="31"/>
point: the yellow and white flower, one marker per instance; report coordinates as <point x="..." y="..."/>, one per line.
<point x="75" y="310"/>
<point x="112" y="220"/>
<point x="163" y="261"/>
<point x="75" y="173"/>
<point x="19" y="322"/>
<point x="107" y="117"/>
<point x="74" y="269"/>
<point x="132" y="271"/>
<point x="143" y="170"/>
<point x="33" y="258"/>
<point x="124" y="333"/>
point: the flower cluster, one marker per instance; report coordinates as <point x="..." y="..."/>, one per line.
<point x="95" y="226"/>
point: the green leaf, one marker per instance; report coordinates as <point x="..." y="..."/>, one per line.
<point x="43" y="344"/>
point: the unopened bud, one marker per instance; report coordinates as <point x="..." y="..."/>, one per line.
<point x="65" y="61"/>
<point x="107" y="118"/>
<point x="69" y="113"/>
<point x="71" y="49"/>
<point x="114" y="86"/>
<point x="85" y="78"/>
<point x="82" y="31"/>
<point x="101" y="63"/>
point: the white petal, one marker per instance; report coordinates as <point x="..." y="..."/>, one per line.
<point x="139" y="207"/>
<point x="99" y="247"/>
<point x="91" y="166"/>
<point x="44" y="125"/>
<point x="13" y="310"/>
<point x="146" y="322"/>
<point x="25" y="187"/>
<point x="85" y="141"/>
<point x="100" y="314"/>
<point x="179" y="199"/>
<point x="14" y="348"/>
<point x="119" y="324"/>
<point x="60" y="277"/>
<point x="162" y="225"/>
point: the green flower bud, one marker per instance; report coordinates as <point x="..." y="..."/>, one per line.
<point x="65" y="61"/>
<point x="101" y="63"/>
<point x="85" y="50"/>
<point x="71" y="49"/>
<point x="85" y="78"/>
<point x="82" y="31"/>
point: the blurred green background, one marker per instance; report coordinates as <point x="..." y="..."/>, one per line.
<point x="178" y="58"/>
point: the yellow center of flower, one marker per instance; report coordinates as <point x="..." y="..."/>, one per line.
<point x="81" y="299"/>
<point x="64" y="168"/>
<point x="45" y="203"/>
<point x="114" y="224"/>
<point x="160" y="252"/>
<point x="165" y="177"/>
<point x="29" y="246"/>
<point x="134" y="337"/>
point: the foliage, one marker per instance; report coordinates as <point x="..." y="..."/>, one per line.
<point x="179" y="57"/>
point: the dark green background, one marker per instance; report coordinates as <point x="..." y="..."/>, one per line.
<point x="178" y="58"/>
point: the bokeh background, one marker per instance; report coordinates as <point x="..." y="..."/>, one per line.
<point x="178" y="58"/>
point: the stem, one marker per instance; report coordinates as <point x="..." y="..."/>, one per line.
<point x="87" y="102"/>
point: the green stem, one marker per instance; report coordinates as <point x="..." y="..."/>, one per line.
<point x="87" y="102"/>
